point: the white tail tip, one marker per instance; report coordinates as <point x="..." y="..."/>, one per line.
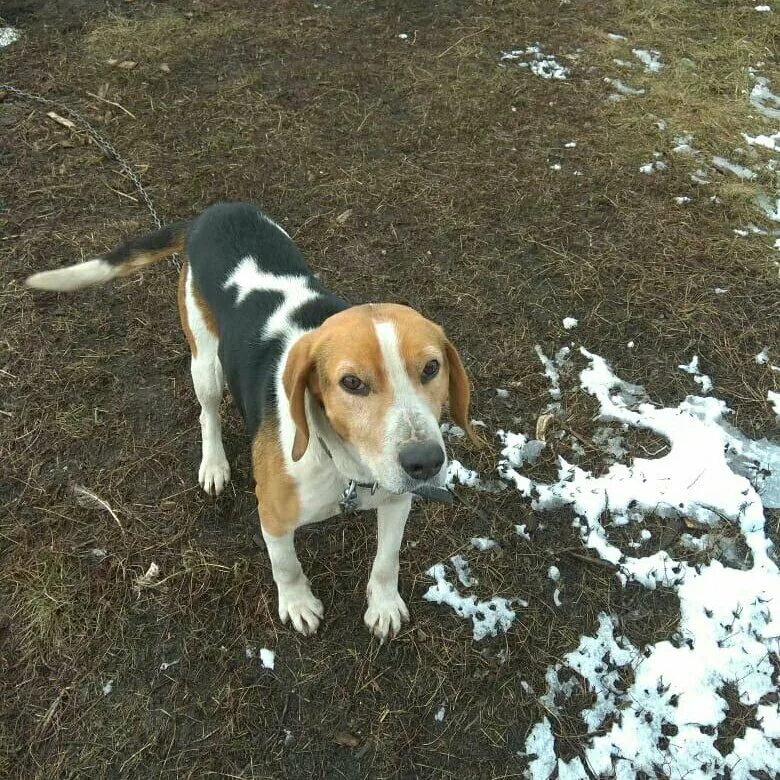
<point x="73" y="277"/>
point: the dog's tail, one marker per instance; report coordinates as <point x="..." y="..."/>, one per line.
<point x="122" y="261"/>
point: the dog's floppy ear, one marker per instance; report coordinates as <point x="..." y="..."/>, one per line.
<point x="297" y="371"/>
<point x="459" y="392"/>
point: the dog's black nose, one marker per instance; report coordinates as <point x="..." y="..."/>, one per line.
<point x="421" y="459"/>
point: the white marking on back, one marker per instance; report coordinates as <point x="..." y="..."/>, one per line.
<point x="248" y="278"/>
<point x="74" y="277"/>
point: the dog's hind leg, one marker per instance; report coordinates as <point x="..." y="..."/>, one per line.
<point x="201" y="332"/>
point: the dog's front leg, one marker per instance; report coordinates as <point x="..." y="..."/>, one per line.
<point x="296" y="601"/>
<point x="386" y="609"/>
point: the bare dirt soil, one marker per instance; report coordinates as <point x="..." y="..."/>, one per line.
<point x="411" y="170"/>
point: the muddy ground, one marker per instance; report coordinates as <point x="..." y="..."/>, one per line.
<point x="412" y="170"/>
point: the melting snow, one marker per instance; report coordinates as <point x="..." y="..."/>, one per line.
<point x="463" y="571"/>
<point x="701" y="379"/>
<point x="740" y="171"/>
<point x="764" y="100"/>
<point x="774" y="399"/>
<point x="769" y="141"/>
<point x="488" y="617"/>
<point x="729" y="620"/>
<point x="482" y="543"/>
<point x="650" y="58"/>
<point x="540" y="64"/>
<point x="657" y="165"/>
<point x="267" y="658"/>
<point x="623" y="88"/>
<point x="8" y="35"/>
<point x="570" y="322"/>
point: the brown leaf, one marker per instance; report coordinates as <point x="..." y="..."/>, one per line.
<point x="543" y="422"/>
<point x="127" y="65"/>
<point x="346" y="739"/>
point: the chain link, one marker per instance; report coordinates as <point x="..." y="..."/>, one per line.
<point x="105" y="146"/>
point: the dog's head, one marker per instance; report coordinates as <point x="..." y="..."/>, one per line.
<point x="381" y="374"/>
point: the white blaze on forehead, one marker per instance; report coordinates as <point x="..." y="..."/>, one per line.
<point x="248" y="278"/>
<point x="394" y="364"/>
<point x="410" y="413"/>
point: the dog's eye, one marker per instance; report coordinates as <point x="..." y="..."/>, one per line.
<point x="430" y="370"/>
<point x="354" y="385"/>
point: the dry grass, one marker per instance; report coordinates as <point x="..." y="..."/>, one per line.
<point x="456" y="211"/>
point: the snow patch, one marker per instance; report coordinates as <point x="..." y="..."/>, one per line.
<point x="488" y="617"/>
<point x="8" y="35"/>
<point x="740" y="171"/>
<point x="729" y="626"/>
<point x="540" y="64"/>
<point x="701" y="379"/>
<point x="267" y="658"/>
<point x="650" y="58"/>
<point x="570" y="322"/>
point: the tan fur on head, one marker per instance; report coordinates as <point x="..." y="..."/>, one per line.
<point x="347" y="344"/>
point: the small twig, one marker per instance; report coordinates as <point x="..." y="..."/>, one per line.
<point x="61" y="120"/>
<point x="587" y="559"/>
<point x="111" y="103"/>
<point x="459" y="41"/>
<point x="82" y="491"/>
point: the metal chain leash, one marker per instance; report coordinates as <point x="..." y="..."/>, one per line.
<point x="103" y="144"/>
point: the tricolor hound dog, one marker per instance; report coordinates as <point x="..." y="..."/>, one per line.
<point x="342" y="402"/>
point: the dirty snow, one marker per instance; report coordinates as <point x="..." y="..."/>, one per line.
<point x="107" y="687"/>
<point x="7" y="36"/>
<point x="463" y="571"/>
<point x="762" y="358"/>
<point x="488" y="617"/>
<point x="622" y="88"/>
<point x="650" y="58"/>
<point x="701" y="379"/>
<point x="768" y="141"/>
<point x="764" y="100"/>
<point x="774" y="399"/>
<point x="681" y="199"/>
<point x="728" y="628"/>
<point x="540" y="64"/>
<point x="740" y="171"/>
<point x="439" y="716"/>
<point x="482" y="543"/>
<point x="656" y="165"/>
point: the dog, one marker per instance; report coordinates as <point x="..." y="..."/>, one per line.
<point x="342" y="403"/>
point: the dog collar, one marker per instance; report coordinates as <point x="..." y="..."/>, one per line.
<point x="349" y="500"/>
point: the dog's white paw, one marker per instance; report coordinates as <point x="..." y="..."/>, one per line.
<point x="385" y="614"/>
<point x="301" y="607"/>
<point x="214" y="474"/>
